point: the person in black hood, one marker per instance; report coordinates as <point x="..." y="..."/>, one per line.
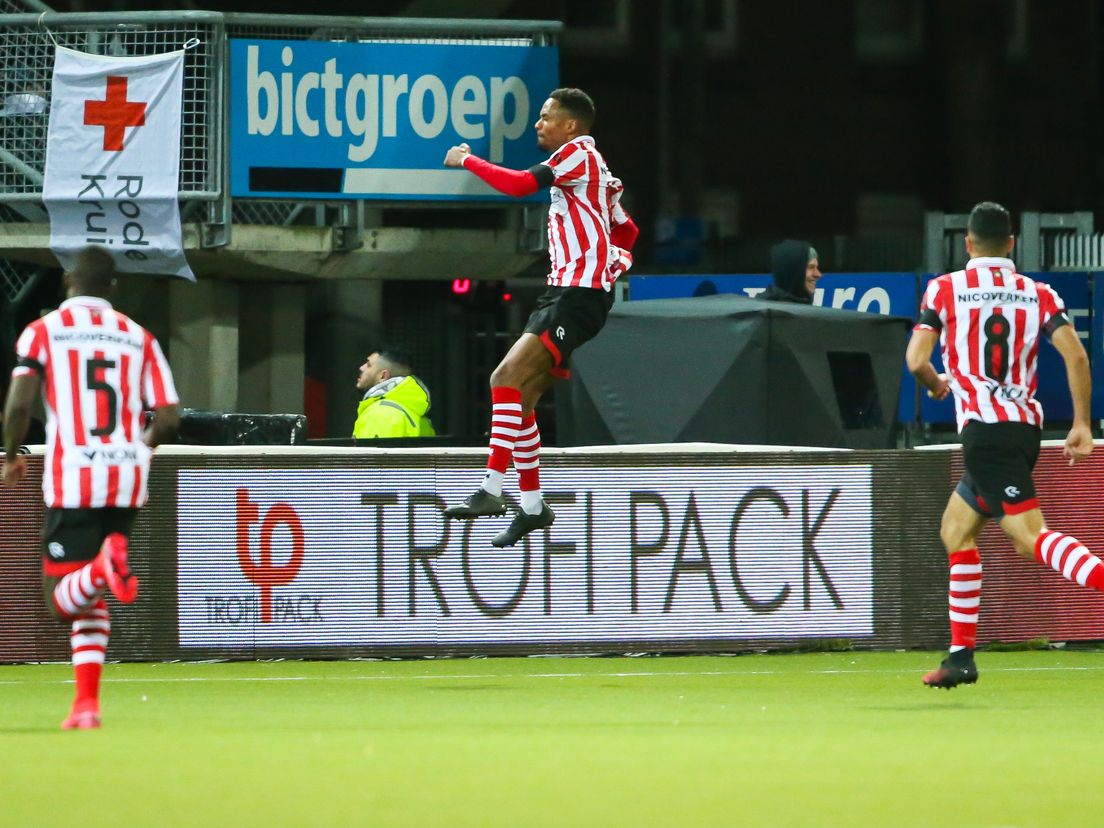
<point x="795" y="269"/>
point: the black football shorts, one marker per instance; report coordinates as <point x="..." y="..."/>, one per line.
<point x="72" y="536"/>
<point x="565" y="318"/>
<point x="999" y="459"/>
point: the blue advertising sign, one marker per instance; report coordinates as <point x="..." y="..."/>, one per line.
<point x="888" y="293"/>
<point x="1095" y="346"/>
<point x="315" y="119"/>
<point x="894" y="294"/>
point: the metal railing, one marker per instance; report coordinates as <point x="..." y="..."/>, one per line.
<point x="1074" y="251"/>
<point x="23" y="6"/>
<point x="1045" y="241"/>
<point x="26" y="67"/>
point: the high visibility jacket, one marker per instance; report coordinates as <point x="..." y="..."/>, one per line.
<point x="394" y="408"/>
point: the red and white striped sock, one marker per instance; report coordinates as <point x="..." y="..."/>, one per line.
<point x="505" y="424"/>
<point x="79" y="590"/>
<point x="1067" y="555"/>
<point x="88" y="641"/>
<point x="964" y="597"/>
<point x="527" y="463"/>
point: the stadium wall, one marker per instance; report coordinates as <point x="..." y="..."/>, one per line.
<point x="324" y="553"/>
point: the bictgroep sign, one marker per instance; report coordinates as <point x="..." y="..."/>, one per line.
<point x="374" y="120"/>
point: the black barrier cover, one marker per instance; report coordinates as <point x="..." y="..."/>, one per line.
<point x="215" y="428"/>
<point x="304" y="556"/>
<point x="730" y="369"/>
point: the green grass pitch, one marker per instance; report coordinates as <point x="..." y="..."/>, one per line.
<point x="767" y="740"/>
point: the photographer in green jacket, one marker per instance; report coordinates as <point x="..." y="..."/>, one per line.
<point x="395" y="402"/>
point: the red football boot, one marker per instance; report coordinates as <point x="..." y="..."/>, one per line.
<point x="113" y="556"/>
<point x="83" y="717"/>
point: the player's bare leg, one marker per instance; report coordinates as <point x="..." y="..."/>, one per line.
<point x="1063" y="553"/>
<point x="959" y="531"/>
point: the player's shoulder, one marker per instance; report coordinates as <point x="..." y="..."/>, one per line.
<point x="124" y="322"/>
<point x="45" y="322"/>
<point x="33" y="331"/>
<point x="580" y="143"/>
<point x="40" y="323"/>
<point x="944" y="281"/>
<point x="1049" y="298"/>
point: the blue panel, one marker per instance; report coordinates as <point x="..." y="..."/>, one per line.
<point x="1095" y="345"/>
<point x="889" y="293"/>
<point x="677" y="287"/>
<point x="374" y="120"/>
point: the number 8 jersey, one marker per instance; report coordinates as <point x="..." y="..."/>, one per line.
<point x="100" y="370"/>
<point x="989" y="319"/>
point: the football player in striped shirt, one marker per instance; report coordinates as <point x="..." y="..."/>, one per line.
<point x="590" y="238"/>
<point x="98" y="372"/>
<point x="989" y="319"/>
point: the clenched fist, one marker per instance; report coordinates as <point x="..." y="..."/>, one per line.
<point x="455" y="156"/>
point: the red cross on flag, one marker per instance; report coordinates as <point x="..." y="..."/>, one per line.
<point x="113" y="160"/>
<point x="115" y="113"/>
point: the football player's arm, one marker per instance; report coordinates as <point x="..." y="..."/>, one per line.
<point x="17" y="419"/>
<point x="1079" y="444"/>
<point x="918" y="358"/>
<point x="163" y="426"/>
<point x="517" y="183"/>
<point x="624" y="231"/>
<point x="159" y="394"/>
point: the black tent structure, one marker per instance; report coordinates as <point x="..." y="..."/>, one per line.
<point x="730" y="369"/>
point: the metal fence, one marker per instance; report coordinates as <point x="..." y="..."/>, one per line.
<point x="1074" y="251"/>
<point x="27" y="43"/>
<point x="22" y="6"/>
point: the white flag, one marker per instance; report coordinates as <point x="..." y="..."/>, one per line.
<point x="113" y="160"/>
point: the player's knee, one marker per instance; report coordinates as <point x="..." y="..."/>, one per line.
<point x="48" y="585"/>
<point x="1023" y="542"/>
<point x="954" y="538"/>
<point x="504" y="376"/>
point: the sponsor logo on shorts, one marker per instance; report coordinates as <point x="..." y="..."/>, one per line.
<point x="1011" y="491"/>
<point x="56" y="550"/>
<point x="560" y="332"/>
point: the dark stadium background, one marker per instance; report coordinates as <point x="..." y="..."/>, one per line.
<point x="735" y="123"/>
<point x="833" y="119"/>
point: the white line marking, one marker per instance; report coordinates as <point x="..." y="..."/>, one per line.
<point x="486" y="676"/>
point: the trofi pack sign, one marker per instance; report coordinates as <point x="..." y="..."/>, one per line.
<point x="316" y="558"/>
<point x="374" y="120"/>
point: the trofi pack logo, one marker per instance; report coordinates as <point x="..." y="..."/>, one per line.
<point x="270" y="547"/>
<point x="260" y="570"/>
<point x="376" y="118"/>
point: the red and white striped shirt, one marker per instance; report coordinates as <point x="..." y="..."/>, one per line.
<point x="990" y="318"/>
<point x="585" y="203"/>
<point x="100" y="370"/>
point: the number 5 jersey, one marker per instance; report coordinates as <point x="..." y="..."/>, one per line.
<point x="100" y="371"/>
